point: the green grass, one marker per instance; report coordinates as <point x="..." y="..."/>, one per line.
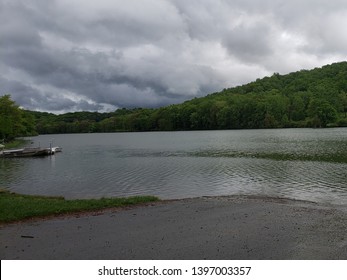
<point x="16" y="207"/>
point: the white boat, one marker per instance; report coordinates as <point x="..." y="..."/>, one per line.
<point x="57" y="149"/>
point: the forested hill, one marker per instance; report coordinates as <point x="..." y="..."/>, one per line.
<point x="314" y="98"/>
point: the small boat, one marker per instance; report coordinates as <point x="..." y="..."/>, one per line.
<point x="28" y="152"/>
<point x="57" y="149"/>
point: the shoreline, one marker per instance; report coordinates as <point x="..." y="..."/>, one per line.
<point x="80" y="213"/>
<point x="224" y="227"/>
<point x="105" y="210"/>
<point x="16" y="207"/>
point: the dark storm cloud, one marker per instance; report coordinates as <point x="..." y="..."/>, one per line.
<point x="101" y="55"/>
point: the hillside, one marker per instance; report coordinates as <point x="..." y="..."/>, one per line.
<point x="307" y="98"/>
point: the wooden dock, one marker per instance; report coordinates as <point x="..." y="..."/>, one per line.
<point x="29" y="152"/>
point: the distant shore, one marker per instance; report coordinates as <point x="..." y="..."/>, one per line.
<point x="228" y="227"/>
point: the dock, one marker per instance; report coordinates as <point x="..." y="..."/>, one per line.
<point x="29" y="152"/>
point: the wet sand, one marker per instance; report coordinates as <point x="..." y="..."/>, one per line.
<point x="234" y="227"/>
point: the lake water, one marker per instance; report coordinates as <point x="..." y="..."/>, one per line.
<point x="308" y="164"/>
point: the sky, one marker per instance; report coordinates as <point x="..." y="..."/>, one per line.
<point x="76" y="55"/>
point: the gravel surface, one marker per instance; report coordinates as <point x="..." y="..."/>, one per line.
<point x="235" y="227"/>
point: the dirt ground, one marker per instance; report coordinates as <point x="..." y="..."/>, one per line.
<point x="234" y="227"/>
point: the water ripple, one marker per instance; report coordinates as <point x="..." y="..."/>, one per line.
<point x="302" y="164"/>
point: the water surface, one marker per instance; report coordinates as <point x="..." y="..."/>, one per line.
<point x="306" y="164"/>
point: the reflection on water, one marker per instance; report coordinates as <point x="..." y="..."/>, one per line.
<point x="296" y="163"/>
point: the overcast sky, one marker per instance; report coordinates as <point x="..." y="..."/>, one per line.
<point x="73" y="55"/>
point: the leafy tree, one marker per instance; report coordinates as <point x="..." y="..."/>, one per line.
<point x="10" y="118"/>
<point x="343" y="102"/>
<point x="14" y="121"/>
<point x="296" y="107"/>
<point x="321" y="112"/>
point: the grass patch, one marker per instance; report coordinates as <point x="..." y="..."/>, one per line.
<point x="16" y="207"/>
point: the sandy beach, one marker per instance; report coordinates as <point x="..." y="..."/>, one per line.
<point x="233" y="227"/>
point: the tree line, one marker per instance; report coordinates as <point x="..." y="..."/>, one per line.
<point x="315" y="98"/>
<point x="14" y="121"/>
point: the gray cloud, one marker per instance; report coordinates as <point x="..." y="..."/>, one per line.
<point x="101" y="55"/>
<point x="249" y="43"/>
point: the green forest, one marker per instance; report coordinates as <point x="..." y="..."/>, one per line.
<point x="14" y="121"/>
<point x="307" y="98"/>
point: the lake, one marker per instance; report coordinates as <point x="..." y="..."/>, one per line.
<point x="309" y="164"/>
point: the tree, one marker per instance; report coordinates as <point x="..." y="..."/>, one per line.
<point x="321" y="112"/>
<point x="14" y="121"/>
<point x="343" y="102"/>
<point x="10" y="118"/>
<point x="297" y="107"/>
